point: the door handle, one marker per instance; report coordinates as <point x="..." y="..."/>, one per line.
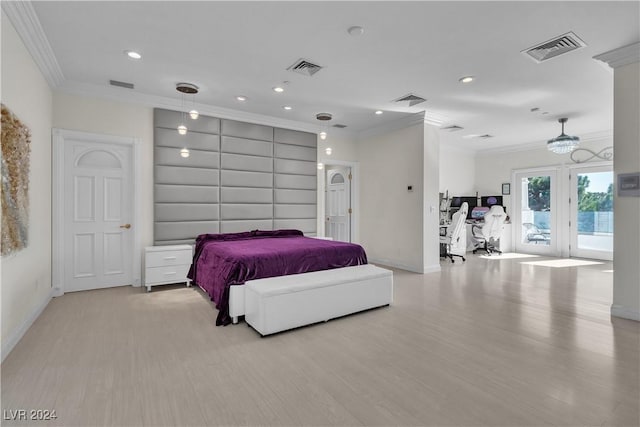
<point x="127" y="226"/>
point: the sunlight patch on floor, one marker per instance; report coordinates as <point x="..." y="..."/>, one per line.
<point x="510" y="255"/>
<point x="559" y="263"/>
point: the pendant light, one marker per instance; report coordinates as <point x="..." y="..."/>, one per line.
<point x="563" y="143"/>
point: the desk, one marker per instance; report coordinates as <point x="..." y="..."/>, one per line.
<point x="504" y="244"/>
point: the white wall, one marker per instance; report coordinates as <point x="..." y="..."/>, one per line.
<point x="457" y="171"/>
<point x="626" y="244"/>
<point x="431" y="203"/>
<point x="114" y="118"/>
<point x="391" y="219"/>
<point x="26" y="275"/>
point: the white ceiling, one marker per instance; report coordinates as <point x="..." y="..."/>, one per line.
<point x="244" y="48"/>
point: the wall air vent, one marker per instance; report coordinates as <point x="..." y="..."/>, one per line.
<point x="555" y="47"/>
<point x="411" y="99"/>
<point x="304" y="67"/>
<point x="339" y="126"/>
<point x="121" y="84"/>
<point x="453" y="128"/>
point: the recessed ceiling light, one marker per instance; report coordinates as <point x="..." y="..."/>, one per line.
<point x="379" y="112"/>
<point x="132" y="54"/>
<point x="355" y="31"/>
<point x="466" y="79"/>
<point x="278" y="89"/>
<point x="288" y="107"/>
<point x="241" y="98"/>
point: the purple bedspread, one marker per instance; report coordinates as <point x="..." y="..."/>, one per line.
<point x="223" y="260"/>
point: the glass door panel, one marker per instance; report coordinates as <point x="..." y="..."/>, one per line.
<point x="592" y="213"/>
<point x="535" y="212"/>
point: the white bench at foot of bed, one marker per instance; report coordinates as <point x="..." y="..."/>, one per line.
<point x="280" y="303"/>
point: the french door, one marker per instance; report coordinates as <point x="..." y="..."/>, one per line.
<point x="536" y="211"/>
<point x="591" y="212"/>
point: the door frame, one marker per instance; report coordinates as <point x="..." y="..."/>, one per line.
<point x="59" y="139"/>
<point x="557" y="216"/>
<point x="347" y="182"/>
<point x="355" y="196"/>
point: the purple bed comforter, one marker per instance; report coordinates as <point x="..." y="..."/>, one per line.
<point x="223" y="260"/>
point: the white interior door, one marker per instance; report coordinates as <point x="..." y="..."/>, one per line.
<point x="98" y="215"/>
<point x="591" y="207"/>
<point x="338" y="204"/>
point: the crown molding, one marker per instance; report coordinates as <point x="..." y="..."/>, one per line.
<point x="26" y="23"/>
<point x="537" y="145"/>
<point x="154" y="101"/>
<point x="401" y="123"/>
<point x="621" y="56"/>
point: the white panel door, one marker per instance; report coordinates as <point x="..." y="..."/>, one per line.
<point x="98" y="210"/>
<point x="338" y="204"/>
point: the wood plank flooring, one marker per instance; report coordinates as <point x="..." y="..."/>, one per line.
<point x="488" y="342"/>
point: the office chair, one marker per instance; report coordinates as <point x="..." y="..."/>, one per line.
<point x="486" y="235"/>
<point x="454" y="242"/>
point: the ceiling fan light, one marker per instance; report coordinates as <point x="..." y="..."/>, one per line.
<point x="563" y="143"/>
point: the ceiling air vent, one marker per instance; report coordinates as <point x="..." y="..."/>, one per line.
<point x="555" y="47"/>
<point x="485" y="136"/>
<point x="339" y="126"/>
<point x="121" y="84"/>
<point x="411" y="99"/>
<point x="453" y="128"/>
<point x="304" y="67"/>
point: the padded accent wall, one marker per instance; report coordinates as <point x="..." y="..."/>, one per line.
<point x="238" y="177"/>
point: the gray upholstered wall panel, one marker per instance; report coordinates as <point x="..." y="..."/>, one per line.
<point x="197" y="159"/>
<point x="295" y="137"/>
<point x="307" y="197"/>
<point x="246" y="211"/>
<point x="246" y="179"/>
<point x="186" y="211"/>
<point x="228" y="183"/>
<point x="186" y="175"/>
<point x="295" y="211"/>
<point x="247" y="146"/>
<point x="183" y="229"/>
<point x="236" y="226"/>
<point x="246" y="163"/>
<point x="246" y="195"/>
<point x="192" y="140"/>
<point x="247" y="130"/>
<point x="305" y="225"/>
<point x="295" y="167"/>
<point x="296" y="152"/>
<point x="301" y="182"/>
<point x="185" y="194"/>
<point x="172" y="119"/>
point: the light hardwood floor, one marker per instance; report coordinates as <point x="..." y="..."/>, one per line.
<point x="487" y="342"/>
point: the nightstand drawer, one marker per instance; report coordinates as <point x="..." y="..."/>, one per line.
<point x="165" y="258"/>
<point x="168" y="274"/>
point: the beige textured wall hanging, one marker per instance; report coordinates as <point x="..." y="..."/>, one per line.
<point x="16" y="146"/>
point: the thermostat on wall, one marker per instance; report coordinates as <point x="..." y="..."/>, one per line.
<point x="629" y="184"/>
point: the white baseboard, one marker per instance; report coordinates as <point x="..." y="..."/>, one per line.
<point x="435" y="268"/>
<point x="390" y="263"/>
<point x="624" y="312"/>
<point x="17" y="335"/>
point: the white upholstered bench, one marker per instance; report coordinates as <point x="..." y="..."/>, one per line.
<point x="279" y="303"/>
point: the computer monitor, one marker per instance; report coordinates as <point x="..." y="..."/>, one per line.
<point x="489" y="201"/>
<point x="457" y="201"/>
<point x="478" y="212"/>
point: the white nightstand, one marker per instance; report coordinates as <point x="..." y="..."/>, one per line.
<point x="166" y="264"/>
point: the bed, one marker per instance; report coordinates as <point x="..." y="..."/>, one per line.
<point x="224" y="261"/>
